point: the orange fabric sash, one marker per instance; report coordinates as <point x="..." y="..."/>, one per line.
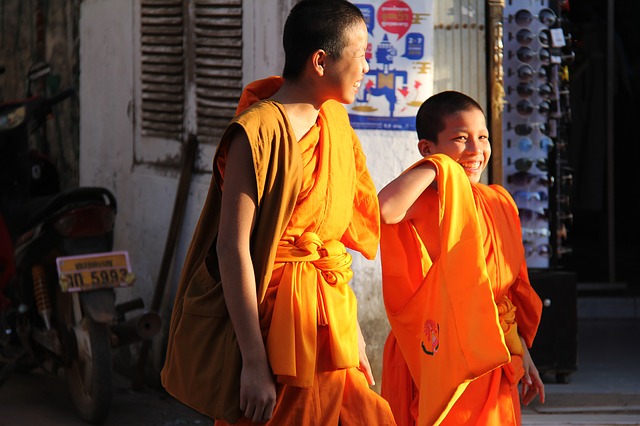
<point x="300" y="308"/>
<point x="507" y="316"/>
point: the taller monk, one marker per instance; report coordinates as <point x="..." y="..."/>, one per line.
<point x="290" y="193"/>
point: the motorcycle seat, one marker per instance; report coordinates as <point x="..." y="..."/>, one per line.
<point x="36" y="210"/>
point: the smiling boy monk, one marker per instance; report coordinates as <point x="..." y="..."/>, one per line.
<point x="455" y="281"/>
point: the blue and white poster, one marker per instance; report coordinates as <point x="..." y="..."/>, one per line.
<point x="400" y="55"/>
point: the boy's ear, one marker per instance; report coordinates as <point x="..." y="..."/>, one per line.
<point x="424" y="147"/>
<point x="319" y="58"/>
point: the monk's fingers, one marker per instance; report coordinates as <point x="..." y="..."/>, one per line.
<point x="541" y="395"/>
<point x="259" y="413"/>
<point x="365" y="367"/>
<point x="249" y="412"/>
<point x="529" y="393"/>
<point x="536" y="382"/>
<point x="368" y="374"/>
<point x="257" y="404"/>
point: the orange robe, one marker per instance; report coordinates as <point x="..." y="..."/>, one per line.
<point x="308" y="312"/>
<point x="457" y="295"/>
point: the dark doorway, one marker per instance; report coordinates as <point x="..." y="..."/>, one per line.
<point x="605" y="218"/>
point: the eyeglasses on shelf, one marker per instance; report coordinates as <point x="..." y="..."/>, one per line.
<point x="525" y="107"/>
<point x="525" y="144"/>
<point x="525" y="129"/>
<point x="546" y="16"/>
<point x="527" y="179"/>
<point x="530" y="215"/>
<point x="531" y="248"/>
<point x="522" y="196"/>
<point x="526" y="88"/>
<point x="536" y="232"/>
<point x="524" y="164"/>
<point x="525" y="72"/>
<point x="526" y="37"/>
<point x="526" y="54"/>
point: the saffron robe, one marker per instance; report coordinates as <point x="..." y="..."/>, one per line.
<point x="315" y="199"/>
<point x="454" y="355"/>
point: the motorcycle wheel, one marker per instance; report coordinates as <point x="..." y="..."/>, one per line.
<point x="89" y="371"/>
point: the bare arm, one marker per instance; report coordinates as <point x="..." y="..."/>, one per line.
<point x="237" y="219"/>
<point x="397" y="198"/>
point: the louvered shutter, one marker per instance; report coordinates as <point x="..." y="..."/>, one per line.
<point x="162" y="68"/>
<point x="190" y="68"/>
<point x="218" y="64"/>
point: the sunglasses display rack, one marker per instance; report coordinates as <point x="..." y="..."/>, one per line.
<point x="534" y="124"/>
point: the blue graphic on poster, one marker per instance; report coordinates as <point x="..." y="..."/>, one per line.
<point x="400" y="56"/>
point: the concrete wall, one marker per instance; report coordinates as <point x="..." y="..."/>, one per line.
<point x="146" y="194"/>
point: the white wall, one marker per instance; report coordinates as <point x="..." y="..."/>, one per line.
<point x="146" y="195"/>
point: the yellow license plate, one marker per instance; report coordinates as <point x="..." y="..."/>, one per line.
<point x="95" y="271"/>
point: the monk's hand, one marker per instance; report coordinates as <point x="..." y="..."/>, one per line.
<point x="531" y="382"/>
<point x="364" y="366"/>
<point x="257" y="390"/>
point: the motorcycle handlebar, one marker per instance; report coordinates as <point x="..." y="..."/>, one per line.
<point x="60" y="96"/>
<point x="41" y="107"/>
<point x="38" y="107"/>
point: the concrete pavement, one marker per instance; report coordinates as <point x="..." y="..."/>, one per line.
<point x="605" y="390"/>
<point x="42" y="400"/>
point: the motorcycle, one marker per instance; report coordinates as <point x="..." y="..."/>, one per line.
<point x="58" y="270"/>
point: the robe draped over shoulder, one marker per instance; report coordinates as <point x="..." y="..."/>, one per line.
<point x="347" y="216"/>
<point x="457" y="317"/>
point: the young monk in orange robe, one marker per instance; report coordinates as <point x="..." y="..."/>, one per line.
<point x="455" y="282"/>
<point x="290" y="192"/>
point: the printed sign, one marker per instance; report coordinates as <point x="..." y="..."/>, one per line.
<point x="400" y="55"/>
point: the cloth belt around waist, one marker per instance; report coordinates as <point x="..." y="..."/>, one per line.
<point x="313" y="292"/>
<point x="507" y="317"/>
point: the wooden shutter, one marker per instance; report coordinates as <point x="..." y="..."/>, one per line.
<point x="162" y="68"/>
<point x="218" y="64"/>
<point x="191" y="67"/>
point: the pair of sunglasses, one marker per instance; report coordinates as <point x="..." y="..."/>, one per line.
<point x="526" y="179"/>
<point x="525" y="129"/>
<point x="529" y="215"/>
<point x="525" y="144"/>
<point x="546" y="16"/>
<point x="526" y="37"/>
<point x="522" y="196"/>
<point x="527" y="88"/>
<point x="525" y="72"/>
<point x="536" y="232"/>
<point x="542" y="250"/>
<point x="525" y="164"/>
<point x="525" y="107"/>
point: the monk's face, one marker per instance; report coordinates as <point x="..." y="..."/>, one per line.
<point x="344" y="74"/>
<point x="465" y="139"/>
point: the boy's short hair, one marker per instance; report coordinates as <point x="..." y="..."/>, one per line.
<point x="313" y="25"/>
<point x="433" y="111"/>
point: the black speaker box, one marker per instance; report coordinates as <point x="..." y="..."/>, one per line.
<point x="554" y="349"/>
